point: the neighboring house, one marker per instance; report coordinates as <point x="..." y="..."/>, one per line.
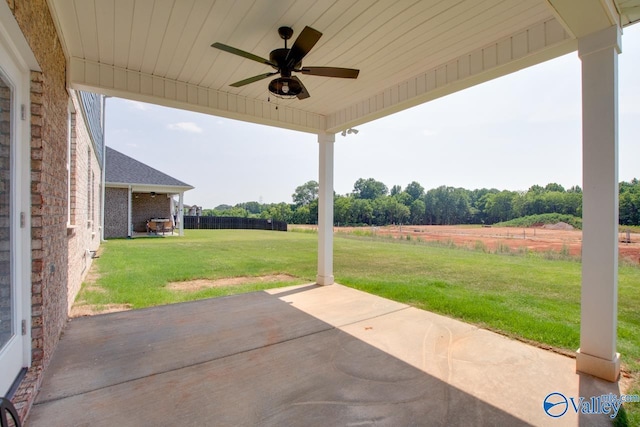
<point x="136" y="193"/>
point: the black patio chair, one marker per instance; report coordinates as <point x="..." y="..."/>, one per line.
<point x="8" y="410"/>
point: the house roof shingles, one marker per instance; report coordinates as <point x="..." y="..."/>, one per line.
<point x="122" y="169"/>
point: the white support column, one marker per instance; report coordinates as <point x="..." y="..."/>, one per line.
<point x="599" y="302"/>
<point x="325" y="210"/>
<point x="181" y="213"/>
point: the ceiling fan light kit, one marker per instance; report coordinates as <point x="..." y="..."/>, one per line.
<point x="288" y="60"/>
<point x="285" y="87"/>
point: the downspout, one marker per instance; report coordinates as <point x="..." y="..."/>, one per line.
<point x="104" y="167"/>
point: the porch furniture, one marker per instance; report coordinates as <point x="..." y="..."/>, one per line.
<point x="159" y="225"/>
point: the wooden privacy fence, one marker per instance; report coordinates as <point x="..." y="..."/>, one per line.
<point x="232" y="222"/>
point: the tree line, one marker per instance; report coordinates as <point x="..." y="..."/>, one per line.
<point x="373" y="203"/>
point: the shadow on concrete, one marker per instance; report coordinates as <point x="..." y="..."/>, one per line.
<point x="243" y="360"/>
<point x="591" y="388"/>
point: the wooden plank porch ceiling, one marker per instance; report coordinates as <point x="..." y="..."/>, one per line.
<point x="408" y="51"/>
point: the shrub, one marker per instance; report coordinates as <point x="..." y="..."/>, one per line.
<point x="537" y="220"/>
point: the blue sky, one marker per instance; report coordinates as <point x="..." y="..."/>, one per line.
<point x="510" y="133"/>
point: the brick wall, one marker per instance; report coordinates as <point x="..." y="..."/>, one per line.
<point x="49" y="101"/>
<point x="144" y="207"/>
<point x="116" y="201"/>
<point x="85" y="202"/>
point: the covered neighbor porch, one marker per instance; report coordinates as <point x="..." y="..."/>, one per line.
<point x="140" y="199"/>
<point x="408" y="53"/>
<point x="304" y="355"/>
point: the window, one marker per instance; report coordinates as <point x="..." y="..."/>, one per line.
<point x="72" y="166"/>
<point x="69" y="164"/>
<point x="89" y="190"/>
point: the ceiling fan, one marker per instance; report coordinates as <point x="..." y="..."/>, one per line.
<point x="289" y="60"/>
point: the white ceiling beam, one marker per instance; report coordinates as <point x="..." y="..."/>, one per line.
<point x="584" y="17"/>
<point x="128" y="84"/>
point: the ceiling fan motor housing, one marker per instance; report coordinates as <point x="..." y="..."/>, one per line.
<point x="278" y="57"/>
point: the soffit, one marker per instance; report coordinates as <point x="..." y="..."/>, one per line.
<point x="408" y="51"/>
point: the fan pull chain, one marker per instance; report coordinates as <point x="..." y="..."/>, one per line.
<point x="269" y="100"/>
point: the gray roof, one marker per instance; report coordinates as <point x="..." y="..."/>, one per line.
<point x="121" y="169"/>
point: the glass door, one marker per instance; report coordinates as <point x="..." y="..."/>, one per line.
<point x="6" y="295"/>
<point x="11" y="339"/>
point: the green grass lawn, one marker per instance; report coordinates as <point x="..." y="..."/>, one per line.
<point x="527" y="297"/>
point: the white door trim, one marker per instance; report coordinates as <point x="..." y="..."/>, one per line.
<point x="16" y="61"/>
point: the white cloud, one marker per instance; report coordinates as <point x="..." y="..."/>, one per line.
<point x="185" y="126"/>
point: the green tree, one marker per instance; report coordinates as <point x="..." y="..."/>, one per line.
<point x="342" y="210"/>
<point x="536" y="189"/>
<point x="222" y="207"/>
<point x="417" y="211"/>
<point x="415" y="190"/>
<point x="404" y="198"/>
<point x="279" y="212"/>
<point x="575" y="189"/>
<point x="554" y="187"/>
<point x="530" y="203"/>
<point x="253" y="207"/>
<point x="462" y="208"/>
<point x="301" y="215"/>
<point x="477" y="201"/>
<point x="313" y="212"/>
<point x="234" y="211"/>
<point x="394" y="211"/>
<point x="305" y="193"/>
<point x="361" y="211"/>
<point x="629" y="202"/>
<point x="369" y="189"/>
<point x="447" y="205"/>
<point x="499" y="206"/>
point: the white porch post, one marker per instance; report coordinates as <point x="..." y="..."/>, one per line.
<point x="599" y="302"/>
<point x="325" y="209"/>
<point x="181" y="213"/>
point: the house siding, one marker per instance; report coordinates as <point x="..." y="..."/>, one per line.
<point x="50" y="245"/>
<point x="115" y="212"/>
<point x="85" y="194"/>
<point x="91" y="104"/>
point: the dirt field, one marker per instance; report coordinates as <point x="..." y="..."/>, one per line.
<point x="502" y="239"/>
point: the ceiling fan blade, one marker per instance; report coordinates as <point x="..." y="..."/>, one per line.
<point x="345" y="73"/>
<point x="252" y="79"/>
<point x="303" y="44"/>
<point x="242" y="53"/>
<point x="304" y="94"/>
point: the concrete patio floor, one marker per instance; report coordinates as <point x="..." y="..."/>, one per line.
<point x="300" y="356"/>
